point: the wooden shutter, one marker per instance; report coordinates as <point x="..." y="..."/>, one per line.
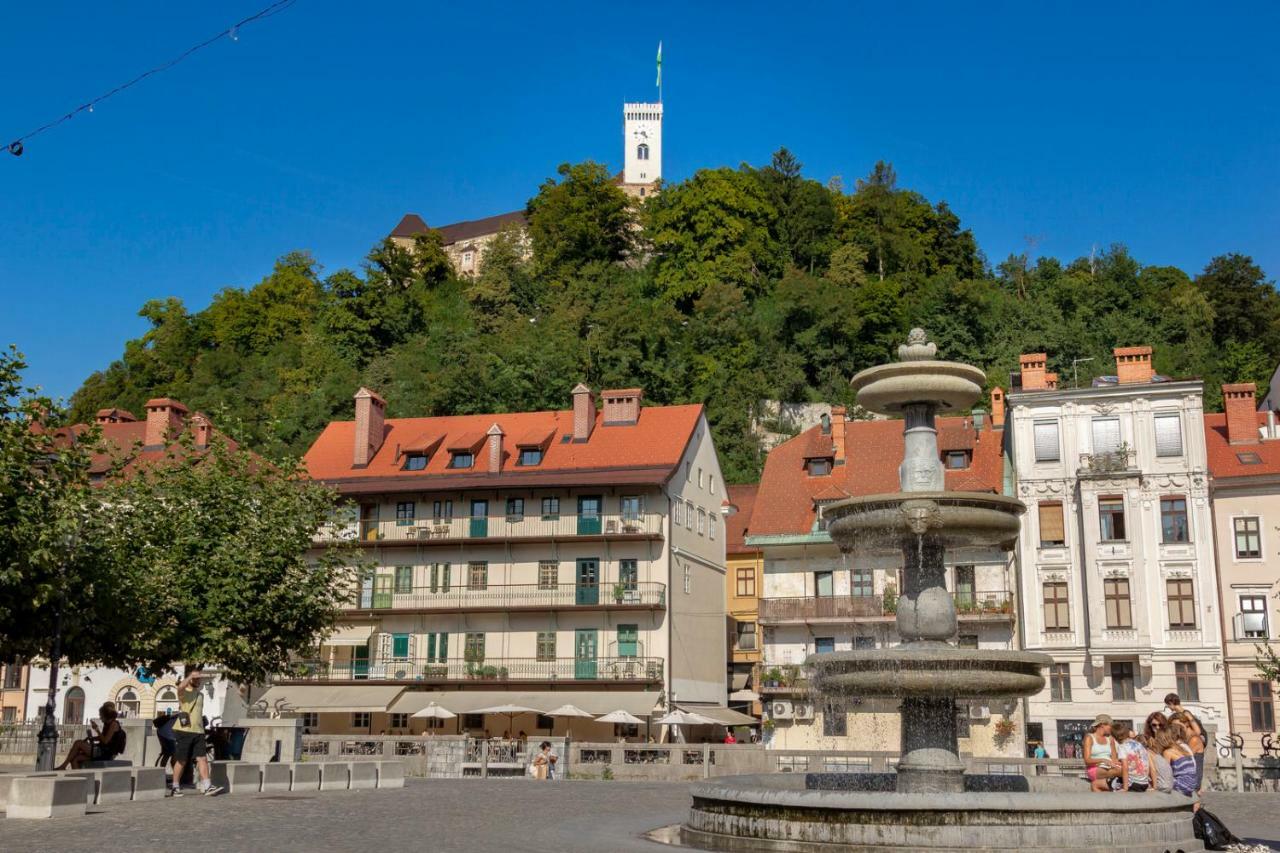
<point x="1168" y="435"/>
<point x="1052" y="528"/>
<point x="1046" y="441"/>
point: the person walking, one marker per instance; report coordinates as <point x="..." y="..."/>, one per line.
<point x="188" y="734"/>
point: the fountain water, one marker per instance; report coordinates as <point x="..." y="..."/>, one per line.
<point x="930" y="803"/>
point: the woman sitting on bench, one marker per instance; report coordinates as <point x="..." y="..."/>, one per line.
<point x="100" y="745"/>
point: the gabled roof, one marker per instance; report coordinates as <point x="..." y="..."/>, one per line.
<point x="457" y="232"/>
<point x="788" y="496"/>
<point x="1224" y="457"/>
<point x="646" y="451"/>
<point x="742" y="499"/>
<point x="122" y="445"/>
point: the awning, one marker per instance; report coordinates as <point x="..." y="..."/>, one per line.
<point x="333" y="698"/>
<point x="467" y="701"/>
<point x="350" y="635"/>
<point x="744" y="695"/>
<point x="723" y="716"/>
<point x="740" y="680"/>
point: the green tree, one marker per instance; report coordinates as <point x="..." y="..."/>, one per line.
<point x="582" y="218"/>
<point x="806" y="211"/>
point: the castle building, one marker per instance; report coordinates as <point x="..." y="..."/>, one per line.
<point x="466" y="242"/>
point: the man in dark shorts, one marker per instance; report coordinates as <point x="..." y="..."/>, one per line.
<point x="188" y="733"/>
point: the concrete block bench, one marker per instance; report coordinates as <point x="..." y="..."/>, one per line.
<point x="335" y="775"/>
<point x="390" y="774"/>
<point x="149" y="783"/>
<point x="113" y="762"/>
<point x="277" y="776"/>
<point x="237" y="777"/>
<point x="112" y="785"/>
<point x="35" y="797"/>
<point x="306" y="777"/>
<point x="364" y="775"/>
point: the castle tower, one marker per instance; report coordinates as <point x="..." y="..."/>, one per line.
<point x="642" y="147"/>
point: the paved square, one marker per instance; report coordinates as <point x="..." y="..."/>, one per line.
<point x="444" y="816"/>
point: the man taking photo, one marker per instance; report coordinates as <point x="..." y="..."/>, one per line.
<point x="188" y="733"/>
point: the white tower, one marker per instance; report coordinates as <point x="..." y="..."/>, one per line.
<point x="642" y="146"/>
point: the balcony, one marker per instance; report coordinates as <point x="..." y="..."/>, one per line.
<point x="993" y="605"/>
<point x="384" y="598"/>
<point x="491" y="670"/>
<point x="529" y="528"/>
<point x="1122" y="462"/>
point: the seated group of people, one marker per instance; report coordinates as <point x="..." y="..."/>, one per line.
<point x="1167" y="755"/>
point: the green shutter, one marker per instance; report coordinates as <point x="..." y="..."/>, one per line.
<point x="431" y="647"/>
<point x="400" y="646"/>
<point x="628" y="640"/>
<point x="444" y="647"/>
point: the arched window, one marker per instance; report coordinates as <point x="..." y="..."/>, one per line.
<point x="642" y="151"/>
<point x="73" y="707"/>
<point x="167" y="700"/>
<point x="127" y="702"/>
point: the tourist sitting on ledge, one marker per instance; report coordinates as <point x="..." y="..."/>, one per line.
<point x="1101" y="759"/>
<point x="101" y="745"/>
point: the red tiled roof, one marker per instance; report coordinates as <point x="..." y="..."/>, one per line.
<point x="646" y="451"/>
<point x="1224" y="461"/>
<point x="456" y="232"/>
<point x="122" y="444"/>
<point x="786" y="500"/>
<point x="743" y="498"/>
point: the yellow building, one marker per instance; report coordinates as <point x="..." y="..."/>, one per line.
<point x="744" y="573"/>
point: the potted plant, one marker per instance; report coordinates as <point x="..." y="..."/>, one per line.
<point x="619" y="590"/>
<point x="790" y="675"/>
<point x="769" y="725"/>
<point x="890" y="598"/>
<point x="1004" y="728"/>
<point x="773" y="677"/>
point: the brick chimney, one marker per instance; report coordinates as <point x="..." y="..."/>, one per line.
<point x="1133" y="365"/>
<point x="115" y="416"/>
<point x="838" y="417"/>
<point x="584" y="412"/>
<point x="370" y="416"/>
<point x="622" y="405"/>
<point x="1051" y="381"/>
<point x="1242" y="417"/>
<point x="165" y="418"/>
<point x="201" y="427"/>
<point x="495" y="449"/>
<point x="997" y="408"/>
<point x="1032" y="365"/>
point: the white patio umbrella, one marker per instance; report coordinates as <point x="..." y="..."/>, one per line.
<point x="509" y="710"/>
<point x="685" y="718"/>
<point x="620" y="717"/>
<point x="570" y="711"/>
<point x="435" y="712"/>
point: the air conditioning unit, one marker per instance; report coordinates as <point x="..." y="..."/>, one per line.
<point x="780" y="710"/>
<point x="979" y="712"/>
<point x="803" y="710"/>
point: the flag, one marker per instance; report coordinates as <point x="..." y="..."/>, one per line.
<point x="659" y="83"/>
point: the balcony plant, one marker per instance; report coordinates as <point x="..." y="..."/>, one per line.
<point x="773" y="677"/>
<point x="1004" y="729"/>
<point x="890" y="598"/>
<point x="790" y="675"/>
<point x="619" y="592"/>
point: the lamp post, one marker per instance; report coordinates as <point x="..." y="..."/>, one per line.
<point x="47" y="739"/>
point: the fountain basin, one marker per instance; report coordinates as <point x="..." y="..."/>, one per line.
<point x="881" y="523"/>
<point x="928" y="671"/>
<point x="890" y="388"/>
<point x="802" y="812"/>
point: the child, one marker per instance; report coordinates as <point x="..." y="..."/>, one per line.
<point x="1135" y="767"/>
<point x="1171" y="743"/>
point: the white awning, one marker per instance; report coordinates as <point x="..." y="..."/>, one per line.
<point x="744" y="695"/>
<point x="333" y="698"/>
<point x="350" y="635"/>
<point x="723" y="716"/>
<point x="468" y="701"/>
<point x="740" y="680"/>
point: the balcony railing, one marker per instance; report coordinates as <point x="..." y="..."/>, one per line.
<point x="620" y="525"/>
<point x="978" y="604"/>
<point x="1120" y="461"/>
<point x="384" y="596"/>
<point x="632" y="669"/>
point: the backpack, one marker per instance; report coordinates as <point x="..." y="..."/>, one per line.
<point x="116" y="745"/>
<point x="1213" y="832"/>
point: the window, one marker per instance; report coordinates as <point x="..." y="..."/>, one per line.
<point x="957" y="460"/>
<point x="542" y="721"/>
<point x="461" y="459"/>
<point x="747" y="636"/>
<point x="548" y="574"/>
<point x="1188" y="682"/>
<point x="629" y="574"/>
<point x="1119" y="608"/>
<point x="967" y="641"/>
<point x="1173" y="519"/>
<point x="468" y="257"/>
<point x="1182" y="603"/>
<point x="398" y="721"/>
<point x="824" y="644"/>
<point x="440" y="577"/>
<point x="1111" y="519"/>
<point x="415" y="461"/>
<point x="1248" y="538"/>
<point x="167" y="700"/>
<point x="818" y="467"/>
<point x="515" y="509"/>
<point x="711" y="483"/>
<point x="473" y="721"/>
<point x="530" y="456"/>
<point x="628" y="641"/>
<point x="835" y="722"/>
<point x="127" y="702"/>
<point x="310" y="719"/>
<point x="442" y="510"/>
<point x="824" y="584"/>
<point x="1249" y="458"/>
<point x="642" y="151"/>
<point x="1057" y="616"/>
<point x="437" y="647"/>
<point x="701" y="483"/>
<point x="13" y="676"/>
<point x="966" y="587"/>
<point x="1262" y="712"/>
<point x="711" y="526"/>
<point x="404" y="514"/>
<point x="861" y="582"/>
<point x="1060" y="682"/>
<point x="360" y="720"/>
<point x="473" y="647"/>
<point x="73" y="706"/>
<point x="1046" y="441"/>
<point x="399" y="646"/>
<point x="630" y="505"/>
<point x="8" y="714"/>
<point x="1106" y="435"/>
<point x="404" y="579"/>
<point x="1253" y="617"/>
<point x="688" y="580"/>
<point x="702" y="521"/>
<point x="1052" y="529"/>
<point x="679" y="513"/>
<point x="1168" y="434"/>
<point x="688" y="471"/>
<point x="550" y="509"/>
<point x="546" y="645"/>
<point x="477" y="575"/>
<point x="688" y="515"/>
<point x="864" y="642"/>
<point x="1122" y="680"/>
<point x="746" y="583"/>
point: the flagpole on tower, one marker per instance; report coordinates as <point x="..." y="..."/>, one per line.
<point x="659" y="71"/>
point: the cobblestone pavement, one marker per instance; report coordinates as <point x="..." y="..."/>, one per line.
<point x="444" y="816"/>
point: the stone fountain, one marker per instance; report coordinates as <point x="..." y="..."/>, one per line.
<point x="930" y="803"/>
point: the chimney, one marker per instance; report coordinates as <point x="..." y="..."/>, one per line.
<point x="979" y="420"/>
<point x="495" y="449"/>
<point x="1242" y="413"/>
<point x="584" y="412"/>
<point x="838" y="417"/>
<point x="621" y="405"/>
<point x="1133" y="365"/>
<point x="1051" y="381"/>
<point x="164" y="420"/>
<point x="1033" y="364"/>
<point x="115" y="416"/>
<point x="370" y="414"/>
<point x="997" y="408"/>
<point x="201" y="427"/>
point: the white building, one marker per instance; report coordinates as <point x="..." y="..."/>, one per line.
<point x="1117" y="565"/>
<point x="83" y="689"/>
<point x="642" y="143"/>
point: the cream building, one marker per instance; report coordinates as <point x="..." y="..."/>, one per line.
<point x="1117" y="565"/>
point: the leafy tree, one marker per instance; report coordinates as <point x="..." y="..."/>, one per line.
<point x="582" y="218"/>
<point x="806" y="211"/>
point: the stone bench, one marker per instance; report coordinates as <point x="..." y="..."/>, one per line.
<point x="236" y="777"/>
<point x="306" y="777"/>
<point x="149" y="783"/>
<point x="277" y="776"/>
<point x="364" y="775"/>
<point x="390" y="774"/>
<point x="111" y="785"/>
<point x="335" y="775"/>
<point x="112" y="762"/>
<point x="46" y="796"/>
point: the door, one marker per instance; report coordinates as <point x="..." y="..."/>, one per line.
<point x="382" y="591"/>
<point x="588" y="582"/>
<point x="823" y="585"/>
<point x="360" y="662"/>
<point x="589" y="515"/>
<point x="369" y="522"/>
<point x="966" y="598"/>
<point x="628" y="641"/>
<point x="479" y="519"/>
<point x="366" y="591"/>
<point x="584" y="654"/>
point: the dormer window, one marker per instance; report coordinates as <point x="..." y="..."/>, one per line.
<point x="818" y="467"/>
<point x="530" y="456"/>
<point x="415" y="462"/>
<point x="461" y="459"/>
<point x="957" y="460"/>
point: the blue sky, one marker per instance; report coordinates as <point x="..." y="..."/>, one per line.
<point x="1071" y="125"/>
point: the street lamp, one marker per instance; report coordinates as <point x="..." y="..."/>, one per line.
<point x="47" y="739"/>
